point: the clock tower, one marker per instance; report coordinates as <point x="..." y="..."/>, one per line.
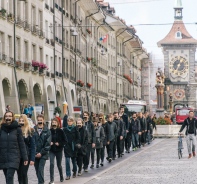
<point x="179" y="49"/>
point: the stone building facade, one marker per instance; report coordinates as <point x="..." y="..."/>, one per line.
<point x="93" y="58"/>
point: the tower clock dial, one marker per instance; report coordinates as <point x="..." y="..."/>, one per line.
<point x="179" y="66"/>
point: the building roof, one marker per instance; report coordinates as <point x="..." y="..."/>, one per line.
<point x="171" y="37"/>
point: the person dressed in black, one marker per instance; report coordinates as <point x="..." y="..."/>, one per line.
<point x="91" y="139"/>
<point x="120" y="133"/>
<point x="149" y="123"/>
<point x="143" y="125"/>
<point x="99" y="142"/>
<point x="135" y="130"/>
<point x="84" y="143"/>
<point x="103" y="123"/>
<point x="43" y="145"/>
<point x="29" y="139"/>
<point x="125" y="119"/>
<point x="70" y="149"/>
<point x="12" y="147"/>
<point x="58" y="139"/>
<point x="111" y="133"/>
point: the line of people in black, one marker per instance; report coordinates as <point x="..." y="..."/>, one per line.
<point x="80" y="140"/>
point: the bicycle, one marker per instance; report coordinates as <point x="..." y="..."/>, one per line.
<point x="180" y="147"/>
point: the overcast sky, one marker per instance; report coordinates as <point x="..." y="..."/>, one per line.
<point x="154" y="12"/>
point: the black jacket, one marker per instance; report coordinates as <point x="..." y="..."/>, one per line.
<point x="111" y="131"/>
<point x="143" y="123"/>
<point x="100" y="136"/>
<point x="149" y="123"/>
<point x="120" y="127"/>
<point x="12" y="146"/>
<point x="125" y="120"/>
<point x="135" y="126"/>
<point x="43" y="142"/>
<point x="190" y="125"/>
<point x="105" y="132"/>
<point x="57" y="135"/>
<point x="83" y="140"/>
<point x="30" y="145"/>
<point x="89" y="126"/>
<point x="73" y="137"/>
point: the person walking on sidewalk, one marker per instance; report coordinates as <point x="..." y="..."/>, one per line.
<point x="43" y="145"/>
<point x="103" y="123"/>
<point x="143" y="126"/>
<point x="135" y="129"/>
<point x="191" y="124"/>
<point x="58" y="139"/>
<point x="91" y="139"/>
<point x="70" y="149"/>
<point x="29" y="139"/>
<point x="111" y="130"/>
<point x="12" y="147"/>
<point x="81" y="152"/>
<point x="99" y="142"/>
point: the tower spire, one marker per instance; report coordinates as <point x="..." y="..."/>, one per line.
<point x="178" y="8"/>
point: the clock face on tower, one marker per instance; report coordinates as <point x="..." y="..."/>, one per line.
<point x="179" y="66"/>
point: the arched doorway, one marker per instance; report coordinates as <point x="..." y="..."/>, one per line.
<point x="50" y="93"/>
<point x="6" y="91"/>
<point x="37" y="93"/>
<point x="72" y="96"/>
<point x="105" y="109"/>
<point x="58" y="97"/>
<point x="51" y="102"/>
<point x="23" y="89"/>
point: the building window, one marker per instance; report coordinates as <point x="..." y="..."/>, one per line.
<point x="17" y="48"/>
<point x="26" y="51"/>
<point x="178" y="35"/>
<point x="33" y="52"/>
<point x="41" y="54"/>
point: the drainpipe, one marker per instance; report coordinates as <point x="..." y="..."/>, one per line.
<point x="63" y="59"/>
<point x="76" y="40"/>
<point x="54" y="25"/>
<point x="16" y="80"/>
<point x="87" y="53"/>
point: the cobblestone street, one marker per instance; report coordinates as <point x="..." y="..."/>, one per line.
<point x="157" y="163"/>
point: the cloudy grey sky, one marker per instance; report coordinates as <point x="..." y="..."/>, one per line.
<point x="154" y="12"/>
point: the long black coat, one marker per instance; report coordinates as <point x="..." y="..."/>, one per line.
<point x="83" y="141"/>
<point x="57" y="135"/>
<point x="43" y="142"/>
<point x="73" y="137"/>
<point x="12" y="146"/>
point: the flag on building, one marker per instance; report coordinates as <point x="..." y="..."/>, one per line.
<point x="104" y="38"/>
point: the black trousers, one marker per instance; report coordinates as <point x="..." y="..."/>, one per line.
<point x="22" y="173"/>
<point x="110" y="147"/>
<point x="114" y="148"/>
<point x="87" y="156"/>
<point x="120" y="145"/>
<point x="98" y="155"/>
<point x="143" y="137"/>
<point x="102" y="153"/>
<point x="80" y="158"/>
<point x="39" y="167"/>
<point x="128" y="142"/>
<point x="9" y="175"/>
<point x="58" y="156"/>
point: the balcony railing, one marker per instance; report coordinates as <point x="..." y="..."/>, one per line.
<point x="19" y="22"/>
<point x="26" y="26"/>
<point x="52" y="42"/>
<point x="34" y="30"/>
<point x="56" y="5"/>
<point x="66" y="74"/>
<point x="103" y="94"/>
<point x="47" y="40"/>
<point x="72" y="78"/>
<point x="41" y="33"/>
